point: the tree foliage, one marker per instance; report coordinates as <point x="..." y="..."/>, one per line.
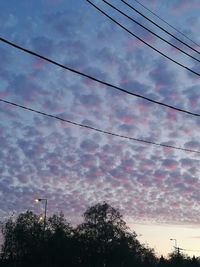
<point x="102" y="240"/>
<point x="22" y="238"/>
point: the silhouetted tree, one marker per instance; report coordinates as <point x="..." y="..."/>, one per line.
<point x="162" y="262"/>
<point x="148" y="257"/>
<point x="8" y="247"/>
<point x="178" y="259"/>
<point x="102" y="240"/>
<point x="23" y="238"/>
<point x="101" y="231"/>
<point x="107" y="241"/>
<point x="194" y="262"/>
<point x="59" y="235"/>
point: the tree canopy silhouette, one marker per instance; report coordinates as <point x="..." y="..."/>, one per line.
<point x="102" y="240"/>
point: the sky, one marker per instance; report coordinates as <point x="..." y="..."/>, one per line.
<point x="154" y="187"/>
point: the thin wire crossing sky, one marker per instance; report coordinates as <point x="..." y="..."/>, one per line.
<point x="155" y="188"/>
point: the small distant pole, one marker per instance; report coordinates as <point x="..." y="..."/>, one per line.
<point x="175" y="240"/>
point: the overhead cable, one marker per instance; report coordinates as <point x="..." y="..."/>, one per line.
<point x="194" y="250"/>
<point x="98" y="80"/>
<point x="195" y="43"/>
<point x="97" y="129"/>
<point x="152" y="32"/>
<point x="133" y="34"/>
<point x="157" y="25"/>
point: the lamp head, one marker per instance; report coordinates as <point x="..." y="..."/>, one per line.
<point x="41" y="218"/>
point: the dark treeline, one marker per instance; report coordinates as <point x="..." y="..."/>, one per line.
<point x="103" y="239"/>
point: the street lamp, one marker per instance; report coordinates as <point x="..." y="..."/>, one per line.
<point x="173" y="239"/>
<point x="45" y="208"/>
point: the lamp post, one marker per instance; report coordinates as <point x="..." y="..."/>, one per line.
<point x="175" y="240"/>
<point x="45" y="208"/>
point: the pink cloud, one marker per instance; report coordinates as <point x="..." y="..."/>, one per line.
<point x="183" y="6"/>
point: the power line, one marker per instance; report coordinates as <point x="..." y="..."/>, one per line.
<point x="96" y="129"/>
<point x="98" y="80"/>
<point x="152" y="47"/>
<point x="157" y="35"/>
<point x="167" y="23"/>
<point x="157" y="25"/>
<point x="194" y="250"/>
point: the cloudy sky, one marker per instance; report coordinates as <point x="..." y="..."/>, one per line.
<point x="156" y="188"/>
